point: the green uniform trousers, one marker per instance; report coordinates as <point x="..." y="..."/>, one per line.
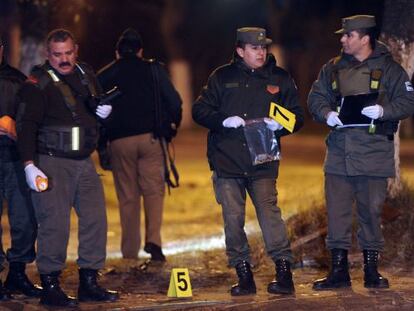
<point x="73" y="183"/>
<point x="231" y="195"/>
<point x="369" y="194"/>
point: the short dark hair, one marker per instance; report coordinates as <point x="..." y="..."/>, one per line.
<point x="129" y="43"/>
<point x="240" y="44"/>
<point x="372" y="32"/>
<point x="59" y="35"/>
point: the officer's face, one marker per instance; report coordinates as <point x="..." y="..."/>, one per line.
<point x="62" y="56"/>
<point x="253" y="55"/>
<point x="353" y="43"/>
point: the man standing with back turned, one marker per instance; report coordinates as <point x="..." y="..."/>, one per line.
<point x="136" y="154"/>
<point x="235" y="92"/>
<point x="57" y="133"/>
<point x="360" y="147"/>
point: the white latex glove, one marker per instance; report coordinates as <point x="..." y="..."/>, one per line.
<point x="333" y="119"/>
<point x="103" y="111"/>
<point x="373" y="112"/>
<point x="272" y="124"/>
<point x="234" y="122"/>
<point x="32" y="172"/>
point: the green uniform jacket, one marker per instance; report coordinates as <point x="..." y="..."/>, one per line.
<point x="353" y="151"/>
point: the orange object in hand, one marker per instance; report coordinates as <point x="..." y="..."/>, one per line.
<point x="41" y="183"/>
<point x="8" y="125"/>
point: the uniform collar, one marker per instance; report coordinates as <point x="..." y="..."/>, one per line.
<point x="380" y="50"/>
<point x="265" y="70"/>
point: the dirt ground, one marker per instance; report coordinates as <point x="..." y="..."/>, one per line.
<point x="192" y="238"/>
<point x="211" y="280"/>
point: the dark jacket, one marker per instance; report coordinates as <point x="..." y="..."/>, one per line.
<point x="44" y="106"/>
<point x="134" y="111"/>
<point x="236" y="90"/>
<point x="353" y="151"/>
<point x="11" y="80"/>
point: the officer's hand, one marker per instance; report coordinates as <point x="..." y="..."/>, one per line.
<point x="373" y="112"/>
<point x="103" y="111"/>
<point x="234" y="122"/>
<point x="333" y="119"/>
<point x="32" y="172"/>
<point x="272" y="124"/>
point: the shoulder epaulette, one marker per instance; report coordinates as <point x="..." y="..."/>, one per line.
<point x="336" y="60"/>
<point x="39" y="77"/>
<point x="153" y="61"/>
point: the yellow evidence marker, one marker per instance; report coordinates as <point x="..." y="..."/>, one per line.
<point x="283" y="116"/>
<point x="180" y="285"/>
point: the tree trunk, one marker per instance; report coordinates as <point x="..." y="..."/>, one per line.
<point x="179" y="67"/>
<point x="398" y="34"/>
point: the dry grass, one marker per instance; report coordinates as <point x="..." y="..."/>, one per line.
<point x="398" y="229"/>
<point x="191" y="212"/>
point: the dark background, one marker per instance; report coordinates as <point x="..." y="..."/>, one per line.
<point x="199" y="31"/>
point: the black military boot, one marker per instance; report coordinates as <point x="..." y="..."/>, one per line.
<point x="89" y="290"/>
<point x="4" y="293"/>
<point x="18" y="282"/>
<point x="283" y="283"/>
<point x="339" y="275"/>
<point x="52" y="294"/>
<point x="155" y="251"/>
<point x="246" y="284"/>
<point x="372" y="278"/>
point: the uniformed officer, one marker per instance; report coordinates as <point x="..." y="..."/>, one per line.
<point x="236" y="92"/>
<point x="57" y="133"/>
<point x="376" y="92"/>
<point x="14" y="190"/>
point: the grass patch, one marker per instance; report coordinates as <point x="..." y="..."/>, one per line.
<point x="307" y="232"/>
<point x="398" y="228"/>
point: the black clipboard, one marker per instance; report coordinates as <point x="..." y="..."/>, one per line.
<point x="350" y="112"/>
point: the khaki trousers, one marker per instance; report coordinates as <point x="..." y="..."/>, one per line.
<point x="138" y="170"/>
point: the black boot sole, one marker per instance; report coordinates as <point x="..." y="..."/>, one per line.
<point x="83" y="299"/>
<point x="239" y="291"/>
<point x="71" y="305"/>
<point x="17" y="291"/>
<point x="87" y="298"/>
<point x="333" y="286"/>
<point x="376" y="286"/>
<point x="243" y="293"/>
<point x="281" y="291"/>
